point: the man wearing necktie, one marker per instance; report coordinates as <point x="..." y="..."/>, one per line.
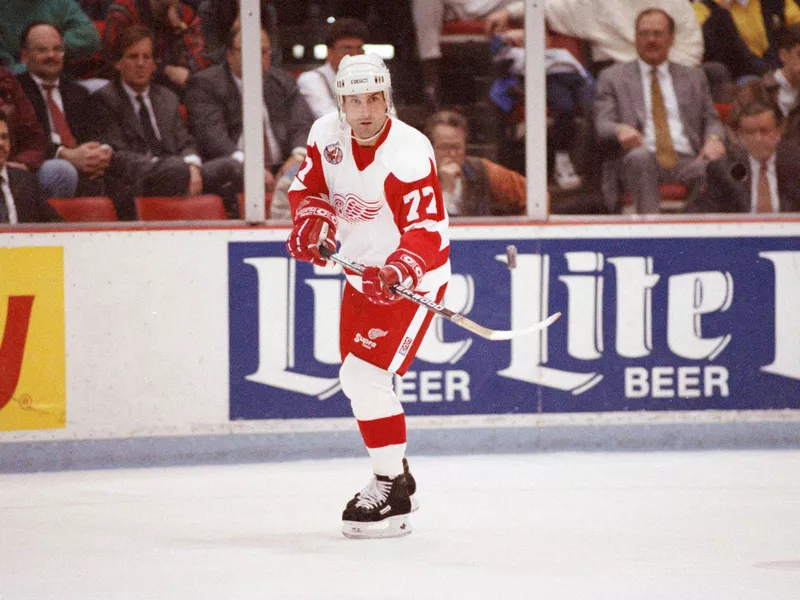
<point x="74" y="162"/>
<point x="760" y="174"/>
<point x="154" y="153"/>
<point x="660" y="114"/>
<point x="20" y="197"/>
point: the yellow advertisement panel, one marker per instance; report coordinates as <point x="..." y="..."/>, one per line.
<point x="32" y="345"/>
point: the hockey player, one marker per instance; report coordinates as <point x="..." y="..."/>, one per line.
<point x="370" y="180"/>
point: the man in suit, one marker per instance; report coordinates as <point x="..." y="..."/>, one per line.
<point x="154" y="154"/>
<point x="214" y="106"/>
<point x="20" y="196"/>
<point x="660" y="114"/>
<point x="760" y="176"/>
<point x="73" y="159"/>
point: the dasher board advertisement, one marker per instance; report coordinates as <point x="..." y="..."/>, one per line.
<point x="675" y="324"/>
<point x="32" y="345"/>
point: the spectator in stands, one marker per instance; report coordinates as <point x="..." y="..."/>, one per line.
<point x="220" y="16"/>
<point x="65" y="113"/>
<point x="345" y="37"/>
<point x="760" y="175"/>
<point x="214" y="106"/>
<point x="20" y="196"/>
<point x="179" y="47"/>
<point x="79" y="33"/>
<point x="429" y="15"/>
<point x="661" y="115"/>
<point x="744" y="34"/>
<point x="471" y="186"/>
<point x="608" y="27"/>
<point x="570" y="90"/>
<point x="154" y="154"/>
<point x="783" y="85"/>
<point x="26" y="131"/>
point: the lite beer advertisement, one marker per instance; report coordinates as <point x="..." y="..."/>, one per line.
<point x="32" y="355"/>
<point x="648" y="324"/>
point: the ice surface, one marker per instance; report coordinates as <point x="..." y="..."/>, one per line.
<point x="545" y="526"/>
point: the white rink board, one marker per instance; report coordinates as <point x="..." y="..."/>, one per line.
<point x="146" y="316"/>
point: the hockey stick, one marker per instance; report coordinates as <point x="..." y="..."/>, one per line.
<point x="453" y="317"/>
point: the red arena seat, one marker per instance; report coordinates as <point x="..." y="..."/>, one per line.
<point x="84" y="209"/>
<point x="206" y="207"/>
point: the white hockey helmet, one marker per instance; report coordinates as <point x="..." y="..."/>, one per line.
<point x="364" y="74"/>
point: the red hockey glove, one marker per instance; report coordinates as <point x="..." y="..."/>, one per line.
<point x="307" y="234"/>
<point x="401" y="267"/>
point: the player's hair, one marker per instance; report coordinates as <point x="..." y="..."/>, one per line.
<point x="789" y="36"/>
<point x="23" y="37"/>
<point x="3" y="116"/>
<point x="130" y="36"/>
<point x="448" y="117"/>
<point x="346" y="28"/>
<point x="661" y="11"/>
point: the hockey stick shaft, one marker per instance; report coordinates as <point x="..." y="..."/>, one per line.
<point x="452" y="316"/>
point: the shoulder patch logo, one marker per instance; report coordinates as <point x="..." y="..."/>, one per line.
<point x="354" y="209"/>
<point x="333" y="153"/>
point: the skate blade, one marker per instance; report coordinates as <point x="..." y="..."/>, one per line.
<point x="388" y="528"/>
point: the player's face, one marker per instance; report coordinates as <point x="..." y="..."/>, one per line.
<point x="136" y="67"/>
<point x="653" y="38"/>
<point x="44" y="53"/>
<point x="759" y="134"/>
<point x="365" y="113"/>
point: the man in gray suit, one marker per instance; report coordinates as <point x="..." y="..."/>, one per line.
<point x="154" y="154"/>
<point x="214" y="107"/>
<point x="660" y="114"/>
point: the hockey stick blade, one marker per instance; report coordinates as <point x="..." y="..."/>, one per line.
<point x="453" y="317"/>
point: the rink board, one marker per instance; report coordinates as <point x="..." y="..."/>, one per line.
<point x="648" y="324"/>
<point x="178" y="332"/>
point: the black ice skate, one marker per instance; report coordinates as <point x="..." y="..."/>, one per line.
<point x="380" y="510"/>
<point x="411" y="484"/>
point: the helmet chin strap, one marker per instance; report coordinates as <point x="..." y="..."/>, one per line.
<point x="372" y="137"/>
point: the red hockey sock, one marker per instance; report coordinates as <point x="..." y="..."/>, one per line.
<point x="388" y="431"/>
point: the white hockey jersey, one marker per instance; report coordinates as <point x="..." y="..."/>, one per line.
<point x="386" y="196"/>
